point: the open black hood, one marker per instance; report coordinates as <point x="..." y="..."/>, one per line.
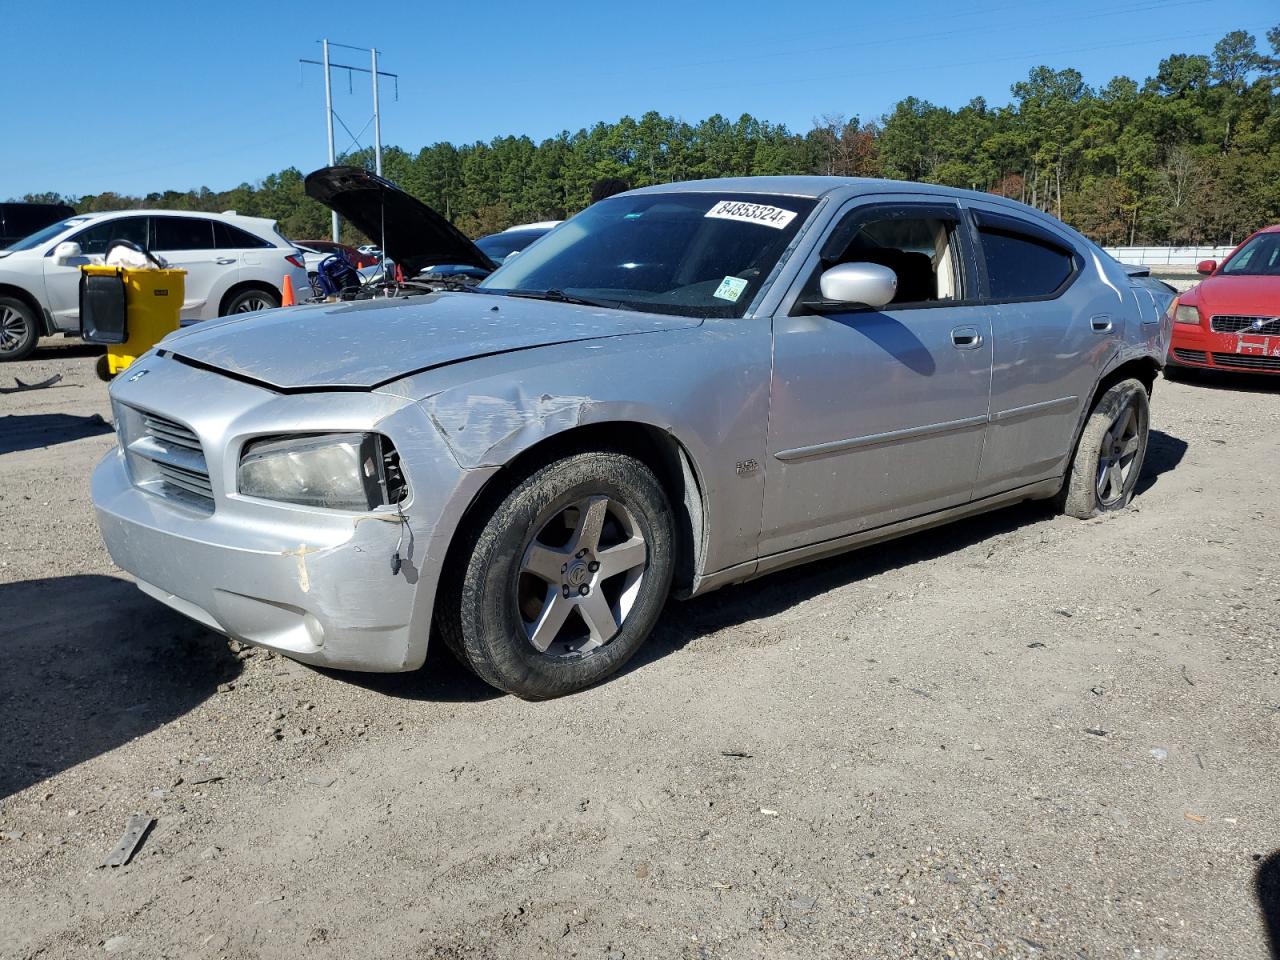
<point x="408" y="231"/>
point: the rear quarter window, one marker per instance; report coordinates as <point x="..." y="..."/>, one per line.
<point x="228" y="237"/>
<point x="1022" y="267"/>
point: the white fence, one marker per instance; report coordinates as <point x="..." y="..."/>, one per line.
<point x="1168" y="256"/>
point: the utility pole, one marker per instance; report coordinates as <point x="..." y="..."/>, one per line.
<point x="328" y="119"/>
<point x="377" y="117"/>
<point x="330" y="115"/>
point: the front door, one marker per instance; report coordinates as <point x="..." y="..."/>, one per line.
<point x="62" y="281"/>
<point x="879" y="415"/>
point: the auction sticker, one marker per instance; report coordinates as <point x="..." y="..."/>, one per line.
<point x="760" y="213"/>
<point x="730" y="289"/>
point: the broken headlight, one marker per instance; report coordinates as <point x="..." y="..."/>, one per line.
<point x="342" y="471"/>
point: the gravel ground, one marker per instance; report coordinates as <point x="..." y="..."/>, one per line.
<point x="1018" y="736"/>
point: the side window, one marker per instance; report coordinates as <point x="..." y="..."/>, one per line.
<point x="1020" y="267"/>
<point x="93" y="240"/>
<point x="921" y="251"/>
<point x="233" y="238"/>
<point x="182" y="233"/>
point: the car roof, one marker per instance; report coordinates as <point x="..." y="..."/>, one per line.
<point x="540" y="225"/>
<point x="229" y="217"/>
<point x="819" y="187"/>
<point x="812" y="186"/>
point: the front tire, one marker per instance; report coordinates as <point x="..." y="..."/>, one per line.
<point x="1110" y="453"/>
<point x="560" y="584"/>
<point x="19" y="329"/>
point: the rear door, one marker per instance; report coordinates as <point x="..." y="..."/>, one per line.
<point x="188" y="243"/>
<point x="1054" y="327"/>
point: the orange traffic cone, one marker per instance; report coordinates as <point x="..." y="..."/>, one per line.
<point x="286" y="298"/>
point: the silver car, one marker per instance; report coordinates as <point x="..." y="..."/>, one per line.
<point x="682" y="387"/>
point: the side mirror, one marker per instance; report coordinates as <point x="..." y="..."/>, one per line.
<point x="849" y="285"/>
<point x="1206" y="266"/>
<point x="65" y="252"/>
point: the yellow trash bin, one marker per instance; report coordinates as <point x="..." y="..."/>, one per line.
<point x="128" y="310"/>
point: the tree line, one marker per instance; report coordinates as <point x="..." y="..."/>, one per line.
<point x="1190" y="155"/>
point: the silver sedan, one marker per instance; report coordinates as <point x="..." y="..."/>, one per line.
<point x="682" y="387"/>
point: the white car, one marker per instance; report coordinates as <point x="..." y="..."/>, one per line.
<point x="234" y="264"/>
<point x="370" y="250"/>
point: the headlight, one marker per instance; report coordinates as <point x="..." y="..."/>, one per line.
<point x="343" y="471"/>
<point x="1186" y="314"/>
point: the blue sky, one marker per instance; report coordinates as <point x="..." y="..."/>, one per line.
<point x="158" y="95"/>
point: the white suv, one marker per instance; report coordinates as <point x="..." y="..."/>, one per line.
<point x="234" y="264"/>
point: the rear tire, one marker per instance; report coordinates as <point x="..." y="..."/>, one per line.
<point x="250" y="301"/>
<point x="1109" y="455"/>
<point x="562" y="581"/>
<point x="19" y="329"/>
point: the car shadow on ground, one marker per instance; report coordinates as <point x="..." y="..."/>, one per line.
<point x="442" y="679"/>
<point x="31" y="431"/>
<point x="684" y="622"/>
<point x="1164" y="452"/>
<point x="1266" y="886"/>
<point x="1227" y="380"/>
<point x="57" y="350"/>
<point x="90" y="663"/>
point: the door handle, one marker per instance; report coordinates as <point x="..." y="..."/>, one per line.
<point x="225" y="260"/>
<point x="1101" y="323"/>
<point x="966" y="338"/>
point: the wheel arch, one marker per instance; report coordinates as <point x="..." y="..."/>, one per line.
<point x="238" y="288"/>
<point x="27" y="297"/>
<point x="1143" y="369"/>
<point x="657" y="448"/>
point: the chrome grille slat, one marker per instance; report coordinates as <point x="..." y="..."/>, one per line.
<point x="165" y="430"/>
<point x="1234" y="323"/>
<point x="191" y="482"/>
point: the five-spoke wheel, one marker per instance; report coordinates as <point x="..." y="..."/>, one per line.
<point x="1108" y="458"/>
<point x="560" y="580"/>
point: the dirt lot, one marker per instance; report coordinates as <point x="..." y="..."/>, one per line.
<point x="1019" y="736"/>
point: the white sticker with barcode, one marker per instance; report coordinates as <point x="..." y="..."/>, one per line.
<point x="760" y="213"/>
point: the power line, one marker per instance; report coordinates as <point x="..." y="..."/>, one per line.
<point x="330" y="114"/>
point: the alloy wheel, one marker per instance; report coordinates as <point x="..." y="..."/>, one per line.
<point x="253" y="304"/>
<point x="580" y="577"/>
<point x="13" y="329"/>
<point x="1117" y="458"/>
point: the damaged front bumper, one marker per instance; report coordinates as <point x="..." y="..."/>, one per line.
<point x="316" y="591"/>
<point x="314" y="584"/>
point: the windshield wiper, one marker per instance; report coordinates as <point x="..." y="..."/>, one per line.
<point x="559" y="296"/>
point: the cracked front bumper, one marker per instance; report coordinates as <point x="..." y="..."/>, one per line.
<point x="318" y="591"/>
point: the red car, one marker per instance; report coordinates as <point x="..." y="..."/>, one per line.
<point x="358" y="259"/>
<point x="1231" y="319"/>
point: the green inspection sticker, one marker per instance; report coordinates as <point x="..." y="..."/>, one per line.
<point x="730" y="289"/>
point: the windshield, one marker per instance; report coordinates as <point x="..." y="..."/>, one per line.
<point x="498" y="246"/>
<point x="48" y="233"/>
<point x="692" y="254"/>
<point x="1259" y="257"/>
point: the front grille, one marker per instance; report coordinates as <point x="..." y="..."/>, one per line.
<point x="166" y="458"/>
<point x="1230" y="323"/>
<point x="1246" y="361"/>
<point x="1189" y="356"/>
<point x="170" y="431"/>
